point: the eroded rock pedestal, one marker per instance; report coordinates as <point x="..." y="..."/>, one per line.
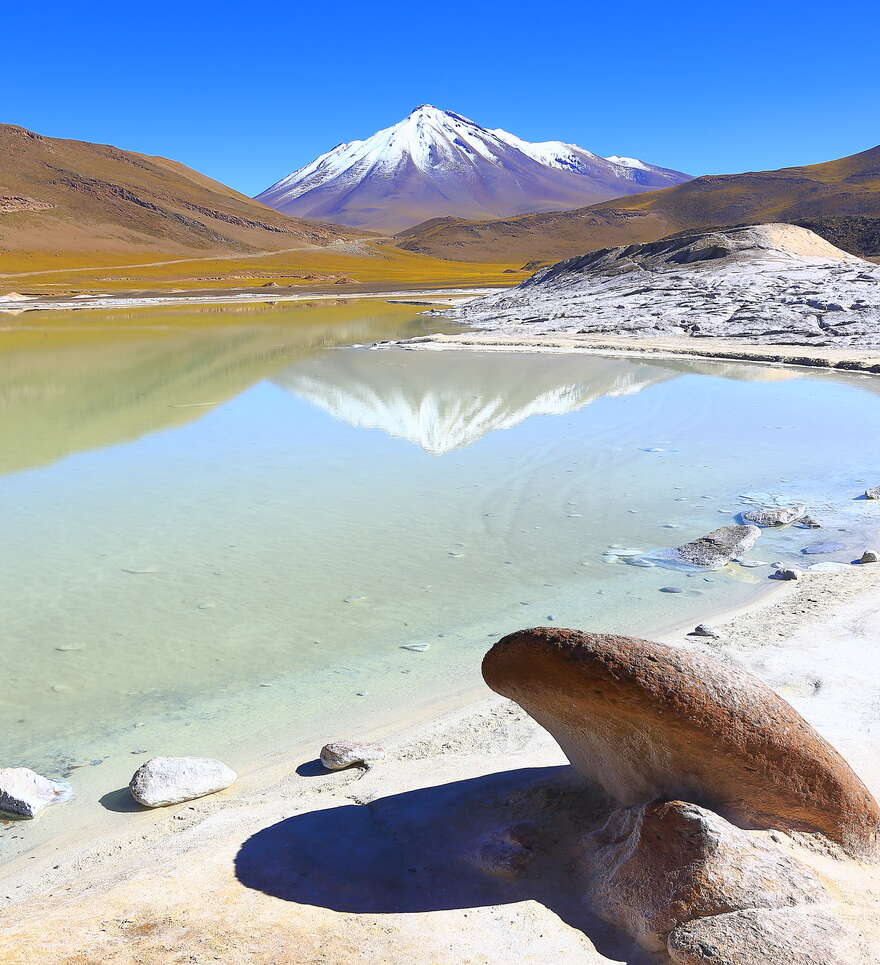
<point x="669" y="735"/>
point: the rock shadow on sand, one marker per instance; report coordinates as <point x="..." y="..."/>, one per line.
<point x="497" y="839"/>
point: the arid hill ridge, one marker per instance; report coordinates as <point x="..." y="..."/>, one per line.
<point x="66" y="195"/>
<point x="840" y="200"/>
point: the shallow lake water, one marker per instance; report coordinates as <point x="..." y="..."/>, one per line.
<point x="223" y="529"/>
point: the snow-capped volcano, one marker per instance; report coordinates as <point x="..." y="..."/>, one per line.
<point x="436" y="163"/>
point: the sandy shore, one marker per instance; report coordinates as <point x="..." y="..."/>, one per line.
<point x="406" y="863"/>
<point x="659" y="347"/>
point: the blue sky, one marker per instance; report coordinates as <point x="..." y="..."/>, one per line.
<point x="248" y="92"/>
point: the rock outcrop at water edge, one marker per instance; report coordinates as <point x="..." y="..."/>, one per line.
<point x="769" y="284"/>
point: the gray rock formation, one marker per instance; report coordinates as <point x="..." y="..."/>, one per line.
<point x="869" y="556"/>
<point x="774" y="283"/>
<point x="664" y="864"/>
<point x="873" y="492"/>
<point x="719" y="547"/>
<point x="26" y="793"/>
<point x="343" y="754"/>
<point x="776" y="516"/>
<point x="170" y="780"/>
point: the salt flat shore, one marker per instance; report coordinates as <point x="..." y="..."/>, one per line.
<point x="16" y="304"/>
<point x="659" y="347"/>
<point x="405" y="863"/>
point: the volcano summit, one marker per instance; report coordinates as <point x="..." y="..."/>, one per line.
<point x="436" y="163"/>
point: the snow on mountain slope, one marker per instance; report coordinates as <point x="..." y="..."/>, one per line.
<point x="438" y="163"/>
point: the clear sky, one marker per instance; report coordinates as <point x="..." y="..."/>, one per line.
<point x="247" y="92"/>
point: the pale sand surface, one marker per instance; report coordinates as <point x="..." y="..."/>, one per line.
<point x="405" y="864"/>
<point x="663" y="346"/>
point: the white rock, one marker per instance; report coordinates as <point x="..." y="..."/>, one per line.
<point x="342" y="754"/>
<point x="26" y="793"/>
<point x="170" y="780"/>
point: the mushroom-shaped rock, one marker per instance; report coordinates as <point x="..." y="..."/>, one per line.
<point x="170" y="780"/>
<point x="26" y="793"/>
<point x="719" y="547"/>
<point x="661" y="865"/>
<point x="763" y="936"/>
<point x="646" y="721"/>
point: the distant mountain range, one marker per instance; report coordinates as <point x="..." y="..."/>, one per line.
<point x="840" y="200"/>
<point x="438" y="163"/>
<point x="60" y="195"/>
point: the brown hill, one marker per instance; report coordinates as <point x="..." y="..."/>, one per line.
<point x="67" y="196"/>
<point x="839" y="200"/>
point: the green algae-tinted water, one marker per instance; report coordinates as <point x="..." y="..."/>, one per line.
<point x="222" y="532"/>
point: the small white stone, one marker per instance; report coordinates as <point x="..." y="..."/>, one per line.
<point x="170" y="780"/>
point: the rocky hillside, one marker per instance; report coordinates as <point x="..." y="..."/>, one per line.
<point x="838" y="199"/>
<point x="60" y="196"/>
<point x="773" y="283"/>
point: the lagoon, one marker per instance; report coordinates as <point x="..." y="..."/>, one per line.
<point x="223" y="529"/>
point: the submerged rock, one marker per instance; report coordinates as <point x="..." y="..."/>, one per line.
<point x="26" y="793"/>
<point x="170" y="780"/>
<point x="660" y="865"/>
<point x="646" y="721"/>
<point x="719" y="547"/>
<point x="343" y="754"/>
<point x="823" y="546"/>
<point x="776" y="516"/>
<point x="807" y="522"/>
<point x="767" y="936"/>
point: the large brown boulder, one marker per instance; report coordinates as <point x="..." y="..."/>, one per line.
<point x="657" y="866"/>
<point x="648" y="721"/>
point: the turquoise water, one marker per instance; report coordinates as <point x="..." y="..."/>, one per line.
<point x="220" y="541"/>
